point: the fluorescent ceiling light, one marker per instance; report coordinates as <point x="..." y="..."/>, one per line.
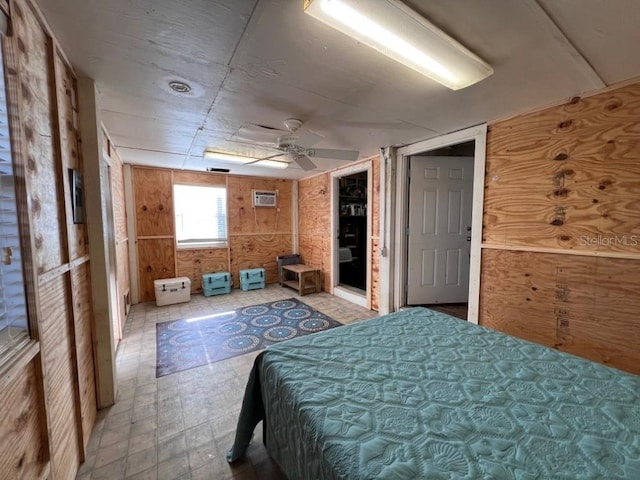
<point x="228" y="157"/>
<point x="271" y="163"/>
<point x="398" y="32"/>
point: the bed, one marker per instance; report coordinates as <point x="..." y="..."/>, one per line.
<point x="419" y="394"/>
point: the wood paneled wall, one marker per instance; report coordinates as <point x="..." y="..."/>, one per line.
<point x="23" y="453"/>
<point x="258" y="235"/>
<point x="561" y="233"/>
<point x="255" y="236"/>
<point x="314" y="225"/>
<point x="314" y="228"/>
<point x="49" y="403"/>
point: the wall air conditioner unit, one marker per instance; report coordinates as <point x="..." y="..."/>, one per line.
<point x="262" y="198"/>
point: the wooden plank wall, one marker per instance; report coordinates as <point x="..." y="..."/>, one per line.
<point x="49" y="406"/>
<point x="78" y="246"/>
<point x="153" y="198"/>
<point x="23" y="454"/>
<point x="314" y="229"/>
<point x="193" y="263"/>
<point x="256" y="236"/>
<point x="314" y="224"/>
<point x="561" y="239"/>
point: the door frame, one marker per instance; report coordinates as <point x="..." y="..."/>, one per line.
<point x="479" y="135"/>
<point x="338" y="291"/>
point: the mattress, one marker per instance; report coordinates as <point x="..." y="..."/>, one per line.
<point x="419" y="394"/>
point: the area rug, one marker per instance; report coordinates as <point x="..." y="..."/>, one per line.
<point x="193" y="342"/>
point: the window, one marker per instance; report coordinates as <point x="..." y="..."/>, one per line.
<point x="201" y="215"/>
<point x="14" y="328"/>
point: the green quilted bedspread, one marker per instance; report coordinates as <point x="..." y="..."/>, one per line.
<point x="420" y="395"/>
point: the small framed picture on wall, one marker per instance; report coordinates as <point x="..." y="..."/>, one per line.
<point x="76" y="183"/>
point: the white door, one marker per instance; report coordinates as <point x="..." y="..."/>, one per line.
<point x="440" y="203"/>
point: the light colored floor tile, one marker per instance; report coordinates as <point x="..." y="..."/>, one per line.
<point x="142" y="461"/>
<point x="110" y="454"/>
<point x="180" y="426"/>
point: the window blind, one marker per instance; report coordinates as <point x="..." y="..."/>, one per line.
<point x="200" y="215"/>
<point x="13" y="310"/>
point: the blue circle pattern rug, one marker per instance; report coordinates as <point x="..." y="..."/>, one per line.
<point x="193" y="342"/>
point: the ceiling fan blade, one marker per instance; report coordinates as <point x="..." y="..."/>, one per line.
<point x="305" y="162"/>
<point x="307" y="138"/>
<point x="333" y="153"/>
<point x="265" y="158"/>
<point x="258" y="134"/>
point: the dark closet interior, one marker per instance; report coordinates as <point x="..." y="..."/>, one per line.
<point x="353" y="230"/>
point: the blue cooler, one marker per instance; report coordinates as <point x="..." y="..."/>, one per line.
<point x="216" y="283"/>
<point x="252" y="278"/>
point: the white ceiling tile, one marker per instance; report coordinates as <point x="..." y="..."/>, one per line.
<point x="262" y="61"/>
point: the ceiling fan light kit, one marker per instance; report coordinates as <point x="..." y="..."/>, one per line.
<point x="395" y="30"/>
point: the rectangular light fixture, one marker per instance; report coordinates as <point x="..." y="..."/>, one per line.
<point x="400" y="33"/>
<point x="230" y="157"/>
<point x="271" y="164"/>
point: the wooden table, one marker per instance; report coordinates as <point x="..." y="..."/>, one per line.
<point x="307" y="278"/>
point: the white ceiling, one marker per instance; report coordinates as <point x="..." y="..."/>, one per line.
<point x="262" y="61"/>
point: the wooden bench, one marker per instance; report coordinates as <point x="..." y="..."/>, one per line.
<point x="307" y="278"/>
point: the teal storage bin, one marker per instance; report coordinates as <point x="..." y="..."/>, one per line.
<point x="252" y="279"/>
<point x="216" y="283"/>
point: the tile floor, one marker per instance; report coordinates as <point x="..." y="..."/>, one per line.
<point x="180" y="426"/>
<point x="458" y="310"/>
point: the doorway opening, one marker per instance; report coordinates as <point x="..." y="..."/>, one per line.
<point x="352" y="232"/>
<point x="351" y="239"/>
<point x="450" y="202"/>
<point x="439" y="228"/>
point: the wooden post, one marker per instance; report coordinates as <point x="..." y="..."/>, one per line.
<point x="99" y="236"/>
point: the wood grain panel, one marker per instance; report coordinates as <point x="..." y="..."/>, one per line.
<point x="567" y="177"/>
<point x="82" y="316"/>
<point x="117" y="196"/>
<point x="375" y="233"/>
<point x="314" y="205"/>
<point x="199" y="178"/>
<point x="375" y="274"/>
<point x="123" y="280"/>
<point x="23" y="455"/>
<point x="194" y="263"/>
<point x="244" y="218"/>
<point x="33" y="56"/>
<point x="38" y="141"/>
<point x="258" y="251"/>
<point x="315" y="250"/>
<point x="56" y="339"/>
<point x="582" y="305"/>
<point x="153" y="196"/>
<point x="375" y="197"/>
<point x="155" y="261"/>
<point x="70" y="156"/>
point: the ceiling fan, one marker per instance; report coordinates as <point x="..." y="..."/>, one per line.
<point x="296" y="148"/>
